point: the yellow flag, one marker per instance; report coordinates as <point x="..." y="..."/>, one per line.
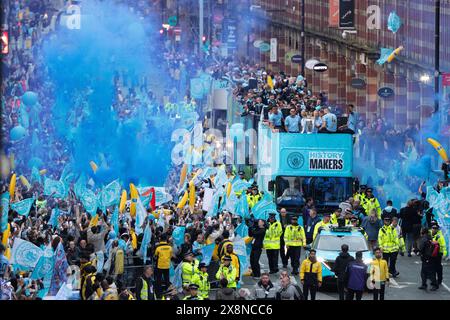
<point x="94" y="221"/>
<point x="270" y="82"/>
<point x="183" y="200"/>
<point x="12" y="186"/>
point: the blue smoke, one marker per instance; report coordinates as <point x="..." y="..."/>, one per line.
<point x="82" y="64"/>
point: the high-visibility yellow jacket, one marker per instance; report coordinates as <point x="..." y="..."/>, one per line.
<point x="163" y="254"/>
<point x="189" y="297"/>
<point x="439" y="237"/>
<point x="188" y="270"/>
<point x="272" y="236"/>
<point x="388" y="239"/>
<point x="372" y="203"/>
<point x="359" y="197"/>
<point x="321" y="224"/>
<point x="228" y="273"/>
<point x="310" y="267"/>
<point x="235" y="263"/>
<point x="294" y="236"/>
<point x="201" y="279"/>
<point x="379" y="270"/>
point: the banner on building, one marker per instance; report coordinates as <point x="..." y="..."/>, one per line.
<point x="347" y="14"/>
<point x="333" y="14"/>
<point x="446" y="79"/>
<point x="273" y="49"/>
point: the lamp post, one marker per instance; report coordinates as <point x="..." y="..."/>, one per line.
<point x="303" y="36"/>
<point x="437" y="41"/>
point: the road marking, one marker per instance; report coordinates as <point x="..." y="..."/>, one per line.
<point x="445" y="286"/>
<point x="394" y="284"/>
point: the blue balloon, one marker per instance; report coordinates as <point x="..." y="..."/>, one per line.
<point x="30" y="98"/>
<point x="17" y="133"/>
<point x="35" y="162"/>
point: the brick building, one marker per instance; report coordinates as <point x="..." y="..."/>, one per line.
<point x="355" y="56"/>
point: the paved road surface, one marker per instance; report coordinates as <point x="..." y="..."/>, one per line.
<point x="404" y="287"/>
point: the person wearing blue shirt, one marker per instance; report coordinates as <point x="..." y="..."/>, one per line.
<point x="329" y="124"/>
<point x="350" y="127"/>
<point x="275" y="118"/>
<point x="291" y="122"/>
<point x="4" y="262"/>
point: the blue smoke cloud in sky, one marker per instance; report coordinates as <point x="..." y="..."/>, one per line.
<point x="83" y="63"/>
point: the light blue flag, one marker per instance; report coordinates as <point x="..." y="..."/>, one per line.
<point x="57" y="188"/>
<point x="231" y="203"/>
<point x="25" y="255"/>
<point x="394" y="22"/>
<point x="242" y="208"/>
<point x="89" y="201"/>
<point x="115" y="220"/>
<point x="265" y="206"/>
<point x="221" y="178"/>
<point x="60" y="267"/>
<point x="384" y="55"/>
<point x="66" y="175"/>
<point x="240" y="249"/>
<point x="178" y="235"/>
<point x="35" y="176"/>
<point x="177" y="280"/>
<point x="5" y="209"/>
<point x="161" y="220"/>
<point x="23" y="207"/>
<point x="54" y="217"/>
<point x="110" y="194"/>
<point x="44" y="270"/>
<point x="80" y="186"/>
<point x="240" y="185"/>
<point x="214" y="208"/>
<point x="242" y="230"/>
<point x="197" y="91"/>
<point x="207" y="252"/>
<point x="145" y="242"/>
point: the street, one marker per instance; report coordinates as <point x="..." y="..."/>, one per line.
<point x="404" y="287"/>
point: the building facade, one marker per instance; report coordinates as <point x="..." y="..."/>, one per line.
<point x="356" y="55"/>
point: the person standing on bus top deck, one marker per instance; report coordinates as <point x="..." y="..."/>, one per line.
<point x="329" y="124"/>
<point x="350" y="127"/>
<point x="276" y="118"/>
<point x="291" y="123"/>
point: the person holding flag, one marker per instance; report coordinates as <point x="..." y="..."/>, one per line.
<point x="272" y="242"/>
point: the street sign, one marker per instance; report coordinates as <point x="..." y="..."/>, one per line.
<point x="386" y="92"/>
<point x="320" y="67"/>
<point x="346" y="14"/>
<point x="446" y="79"/>
<point x="264" y="47"/>
<point x="358" y="83"/>
<point x="311" y="63"/>
<point x="173" y="20"/>
<point x="296" y="59"/>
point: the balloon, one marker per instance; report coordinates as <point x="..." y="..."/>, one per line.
<point x="134" y="196"/>
<point x="183" y="174"/>
<point x="35" y="162"/>
<point x="93" y="166"/>
<point x="394" y="54"/>
<point x="17" y="133"/>
<point x="42" y="172"/>
<point x="25" y="182"/>
<point x="436" y="145"/>
<point x="30" y="98"/>
<point x="12" y="186"/>
<point x="183" y="200"/>
<point x="191" y="195"/>
<point x="123" y="201"/>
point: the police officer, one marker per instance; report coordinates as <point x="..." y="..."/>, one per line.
<point x="437" y="236"/>
<point x="193" y="293"/>
<point x="227" y="271"/>
<point x="272" y="242"/>
<point x="201" y="280"/>
<point x="389" y="244"/>
<point x="254" y="196"/>
<point x="295" y="239"/>
<point x="361" y="194"/>
<point x="371" y="202"/>
<point x="326" y="222"/>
